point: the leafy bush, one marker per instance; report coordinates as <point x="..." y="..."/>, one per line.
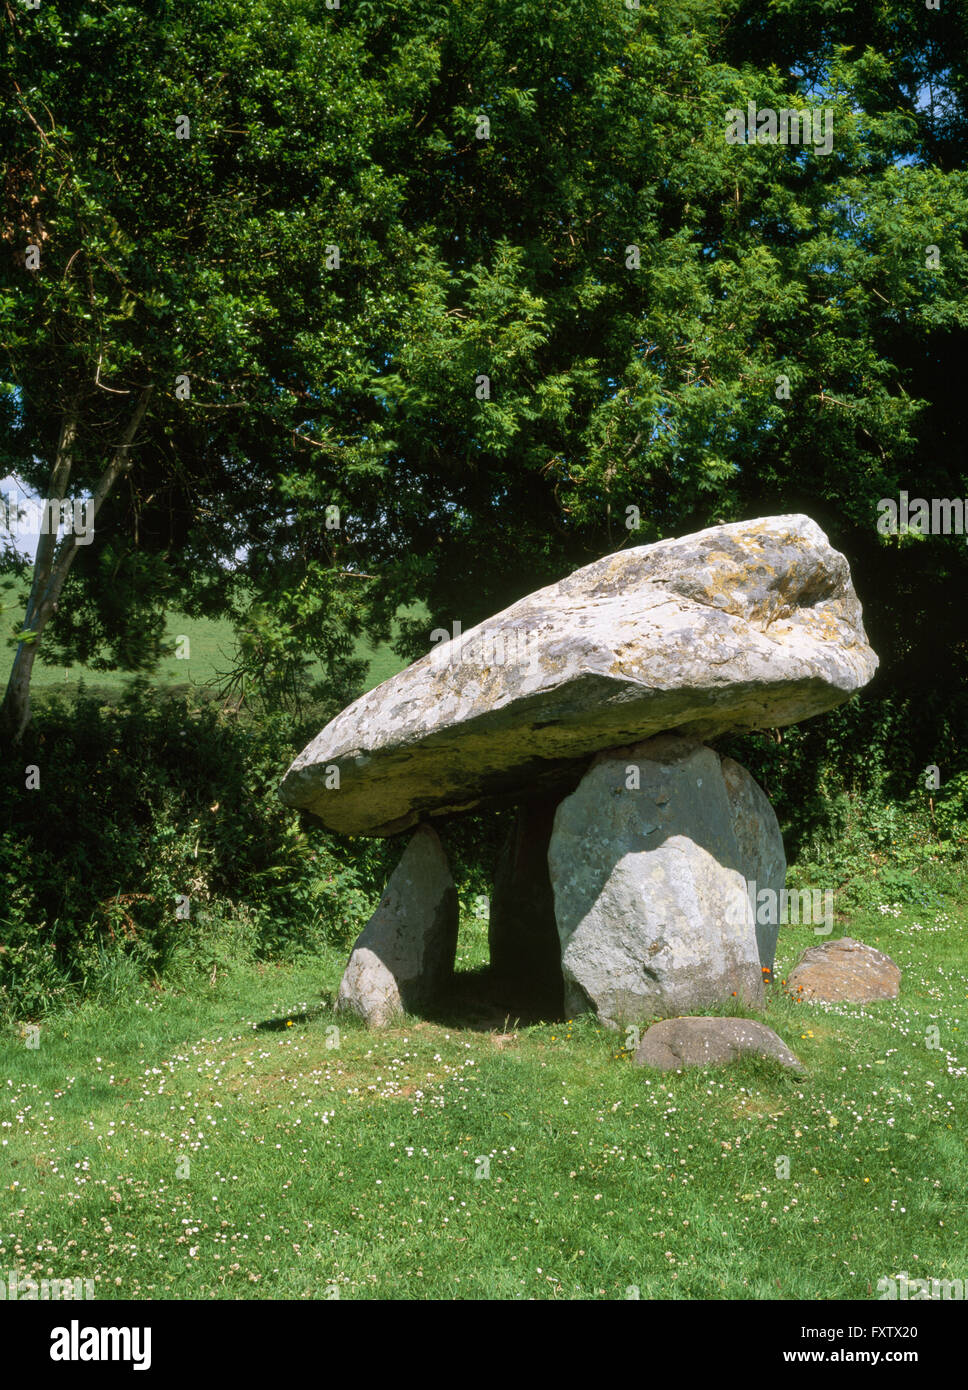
<point x="156" y="838"/>
<point x="855" y="805"/>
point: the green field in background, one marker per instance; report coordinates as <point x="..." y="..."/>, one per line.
<point x="211" y="643"/>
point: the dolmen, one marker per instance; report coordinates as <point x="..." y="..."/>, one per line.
<point x="591" y="704"/>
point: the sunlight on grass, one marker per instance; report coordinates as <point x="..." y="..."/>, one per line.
<point x="319" y="1159"/>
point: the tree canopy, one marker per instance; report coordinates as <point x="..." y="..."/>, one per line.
<point x="483" y="277"/>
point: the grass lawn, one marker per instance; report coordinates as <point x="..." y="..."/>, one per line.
<point x="352" y="1164"/>
<point x="211" y="643"/>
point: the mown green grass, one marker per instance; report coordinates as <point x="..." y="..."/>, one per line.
<point x="353" y="1170"/>
<point x="211" y="644"/>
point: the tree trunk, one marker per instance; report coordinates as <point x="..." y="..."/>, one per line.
<point x="15" y="712"/>
<point x="50" y="571"/>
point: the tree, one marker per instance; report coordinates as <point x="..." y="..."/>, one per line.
<point x="566" y="303"/>
<point x="195" y="291"/>
<point x="620" y="309"/>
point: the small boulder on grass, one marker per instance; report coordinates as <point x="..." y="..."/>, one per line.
<point x="675" y="1043"/>
<point x="844" y="970"/>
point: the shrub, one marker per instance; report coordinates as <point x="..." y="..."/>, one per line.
<point x="149" y="811"/>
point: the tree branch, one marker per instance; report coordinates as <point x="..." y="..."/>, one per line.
<point x="59" y="478"/>
<point x="119" y="464"/>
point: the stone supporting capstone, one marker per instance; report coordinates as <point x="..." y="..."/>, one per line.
<point x="403" y="959"/>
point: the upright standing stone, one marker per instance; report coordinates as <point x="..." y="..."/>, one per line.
<point x="762" y="858"/>
<point x="404" y="956"/>
<point x="650" y="889"/>
<point x="522" y="933"/>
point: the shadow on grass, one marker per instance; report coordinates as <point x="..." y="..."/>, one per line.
<point x="477" y="1000"/>
<point x="483" y="1001"/>
<point x="278" y="1025"/>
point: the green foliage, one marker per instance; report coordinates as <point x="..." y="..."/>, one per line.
<point x="951" y="809"/>
<point x="159" y="800"/>
<point x="200" y="261"/>
<point x="141" y="807"/>
<point x="852" y="790"/>
<point x="462" y="257"/>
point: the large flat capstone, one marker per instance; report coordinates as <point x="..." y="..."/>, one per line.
<point x="749" y="625"/>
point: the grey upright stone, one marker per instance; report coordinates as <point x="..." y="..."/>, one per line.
<point x="762" y="858"/>
<point x="650" y="890"/>
<point x="405" y="954"/>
